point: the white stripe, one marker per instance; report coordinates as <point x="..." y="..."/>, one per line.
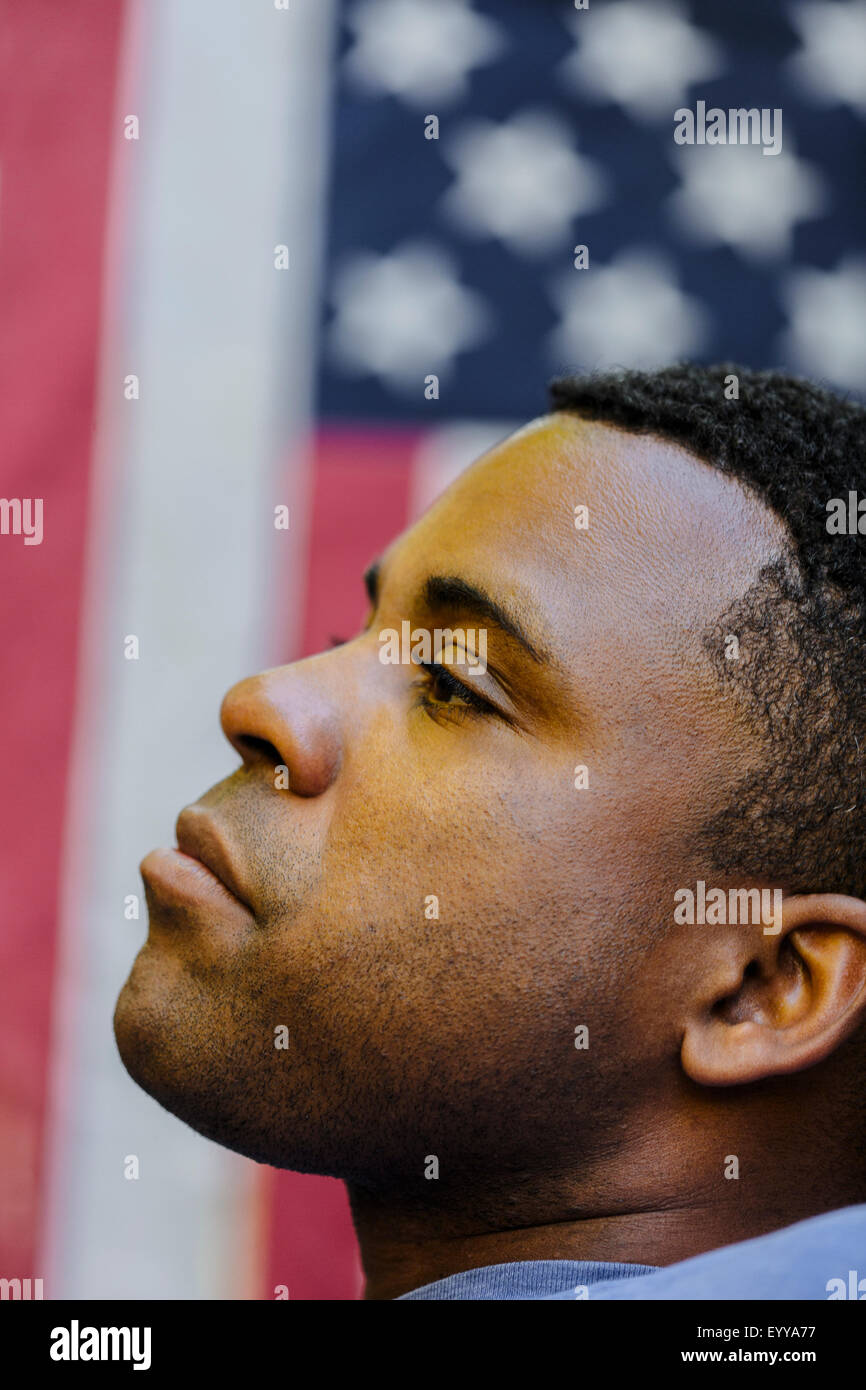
<point x="182" y="552"/>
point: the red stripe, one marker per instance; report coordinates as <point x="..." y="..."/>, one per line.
<point x="360" y="503"/>
<point x="59" y="64"/>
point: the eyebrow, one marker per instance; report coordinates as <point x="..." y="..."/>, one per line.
<point x="446" y="591"/>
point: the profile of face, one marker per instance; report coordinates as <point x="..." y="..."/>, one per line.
<point x="439" y="898"/>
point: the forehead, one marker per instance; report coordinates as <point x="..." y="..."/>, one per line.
<point x="669" y="538"/>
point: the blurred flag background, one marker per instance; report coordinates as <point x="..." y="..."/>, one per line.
<point x="329" y="261"/>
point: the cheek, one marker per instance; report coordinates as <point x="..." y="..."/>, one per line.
<point x="458" y="817"/>
<point x="447" y="957"/>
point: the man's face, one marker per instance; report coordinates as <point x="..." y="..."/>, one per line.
<point x="412" y="1034"/>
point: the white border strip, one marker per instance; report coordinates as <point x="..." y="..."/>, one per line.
<point x="183" y="553"/>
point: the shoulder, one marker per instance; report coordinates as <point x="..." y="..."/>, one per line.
<point x="822" y="1258"/>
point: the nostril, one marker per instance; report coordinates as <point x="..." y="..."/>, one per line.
<point x="286" y="727"/>
<point x="252" y="748"/>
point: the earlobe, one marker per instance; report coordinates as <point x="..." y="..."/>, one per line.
<point x="797" y="997"/>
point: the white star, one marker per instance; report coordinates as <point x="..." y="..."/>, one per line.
<point x="419" y="51"/>
<point x="404" y="315"/>
<point x="641" y="56"/>
<point x="735" y="196"/>
<point x="521" y="181"/>
<point x="826" y="334"/>
<point x="832" y="64"/>
<point x="629" y="313"/>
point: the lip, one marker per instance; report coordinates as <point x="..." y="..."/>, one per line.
<point x="198" y="838"/>
<point x="181" y="880"/>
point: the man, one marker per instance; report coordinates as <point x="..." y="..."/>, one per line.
<point x="570" y="952"/>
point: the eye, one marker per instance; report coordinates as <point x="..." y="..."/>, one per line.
<point x="439" y="691"/>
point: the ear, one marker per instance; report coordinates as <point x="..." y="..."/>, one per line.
<point x="782" y="1002"/>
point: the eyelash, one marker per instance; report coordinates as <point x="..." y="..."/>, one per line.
<point x="434" y="675"/>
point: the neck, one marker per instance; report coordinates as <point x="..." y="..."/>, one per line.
<point x="666" y="1193"/>
<point x="406" y="1244"/>
<point x="398" y="1258"/>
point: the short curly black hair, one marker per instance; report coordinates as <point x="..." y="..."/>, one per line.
<point x="799" y="818"/>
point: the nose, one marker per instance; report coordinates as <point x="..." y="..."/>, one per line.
<point x="287" y="716"/>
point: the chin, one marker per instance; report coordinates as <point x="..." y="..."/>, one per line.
<point x="140" y="1039"/>
<point x="177" y="1071"/>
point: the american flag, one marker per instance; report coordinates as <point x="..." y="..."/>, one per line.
<point x="337" y="251"/>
